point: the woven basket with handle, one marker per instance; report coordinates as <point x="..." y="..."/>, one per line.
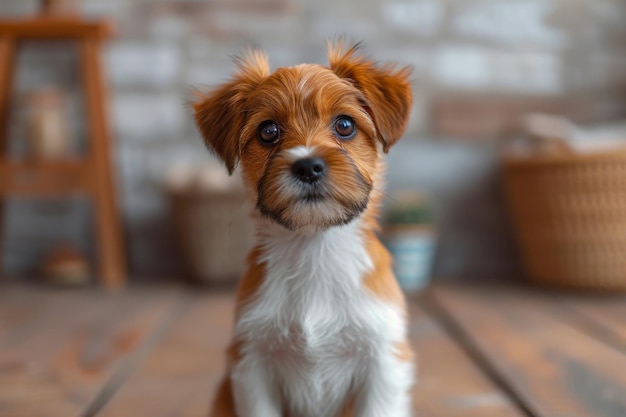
<point x="569" y="212"/>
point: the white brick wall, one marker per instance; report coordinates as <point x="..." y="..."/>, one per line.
<point x="461" y="66"/>
<point x="154" y="64"/>
<point x="149" y="117"/>
<point x="477" y="68"/>
<point x="423" y="17"/>
<point x="511" y="22"/>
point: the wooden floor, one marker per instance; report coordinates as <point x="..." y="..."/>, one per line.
<point x="483" y="351"/>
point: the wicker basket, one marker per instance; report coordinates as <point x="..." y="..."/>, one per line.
<point x="215" y="233"/>
<point x="569" y="212"/>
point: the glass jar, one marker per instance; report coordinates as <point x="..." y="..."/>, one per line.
<point x="46" y="122"/>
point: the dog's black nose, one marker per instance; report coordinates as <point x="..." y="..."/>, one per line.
<point x="309" y="170"/>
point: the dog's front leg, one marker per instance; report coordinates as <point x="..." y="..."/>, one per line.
<point x="386" y="387"/>
<point x="254" y="392"/>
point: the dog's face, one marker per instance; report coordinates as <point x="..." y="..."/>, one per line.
<point x="308" y="138"/>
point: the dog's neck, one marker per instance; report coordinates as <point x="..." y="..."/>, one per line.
<point x="340" y="251"/>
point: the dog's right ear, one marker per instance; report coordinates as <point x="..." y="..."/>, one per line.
<point x="386" y="89"/>
<point x="220" y="114"/>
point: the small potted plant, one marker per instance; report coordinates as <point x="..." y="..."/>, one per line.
<point x="411" y="239"/>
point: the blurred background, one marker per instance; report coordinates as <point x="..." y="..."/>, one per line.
<point x="513" y="165"/>
<point x="479" y="67"/>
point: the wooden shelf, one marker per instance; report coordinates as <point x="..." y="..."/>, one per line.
<point x="54" y="28"/>
<point x="37" y="177"/>
<point x="92" y="174"/>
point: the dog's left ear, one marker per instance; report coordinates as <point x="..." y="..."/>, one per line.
<point x="220" y="114"/>
<point x="386" y="89"/>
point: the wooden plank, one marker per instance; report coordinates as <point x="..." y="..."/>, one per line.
<point x="7" y="69"/>
<point x="89" y="338"/>
<point x="21" y="309"/>
<point x="110" y="244"/>
<point x="15" y="308"/>
<point x="7" y="58"/>
<point x="553" y="367"/>
<point x="601" y="315"/>
<point x="180" y="375"/>
<point x="54" y="28"/>
<point x="450" y="384"/>
<point x="45" y="178"/>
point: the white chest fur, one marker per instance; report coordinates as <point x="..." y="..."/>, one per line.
<point x="312" y="323"/>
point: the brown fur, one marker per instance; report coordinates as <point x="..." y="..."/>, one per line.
<point x="224" y="108"/>
<point x="386" y="89"/>
<point x="381" y="280"/>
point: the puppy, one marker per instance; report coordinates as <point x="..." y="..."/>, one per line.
<point x="320" y="320"/>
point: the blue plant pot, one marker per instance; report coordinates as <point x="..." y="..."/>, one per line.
<point x="413" y="250"/>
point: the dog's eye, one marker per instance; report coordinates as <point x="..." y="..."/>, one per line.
<point x="344" y="127"/>
<point x="269" y="132"/>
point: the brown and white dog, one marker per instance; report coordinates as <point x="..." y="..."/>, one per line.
<point x="320" y="320"/>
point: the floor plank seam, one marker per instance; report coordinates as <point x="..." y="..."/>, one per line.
<point x="590" y="326"/>
<point x="455" y="331"/>
<point x="128" y="365"/>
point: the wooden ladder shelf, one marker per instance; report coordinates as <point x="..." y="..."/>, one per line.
<point x="91" y="174"/>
